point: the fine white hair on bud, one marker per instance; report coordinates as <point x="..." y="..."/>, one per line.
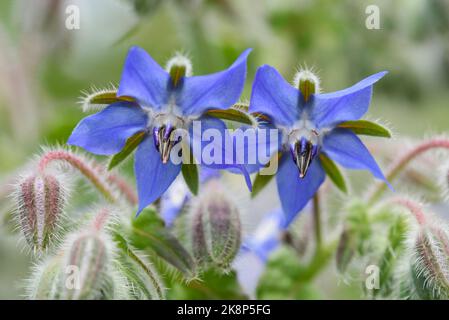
<point x="423" y="271"/>
<point x="85" y="267"/>
<point x="40" y="200"/>
<point x="179" y="66"/>
<point x="141" y="279"/>
<point x="215" y="228"/>
<point x="44" y="282"/>
<point x="90" y="99"/>
<point x="307" y="82"/>
<point x="432" y="262"/>
<point x="88" y="254"/>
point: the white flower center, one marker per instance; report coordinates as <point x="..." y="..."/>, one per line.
<point x="169" y="115"/>
<point x="303" y="128"/>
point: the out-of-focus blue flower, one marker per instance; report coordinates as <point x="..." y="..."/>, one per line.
<point x="309" y="125"/>
<point x="178" y="194"/>
<point x="160" y="105"/>
<point x="266" y="238"/>
<point x="256" y="249"/>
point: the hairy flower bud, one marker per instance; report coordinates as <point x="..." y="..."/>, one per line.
<point x="40" y="200"/>
<point x="142" y="281"/>
<point x="215" y="228"/>
<point x="423" y="271"/>
<point x="345" y="250"/>
<point x="85" y="269"/>
<point x="430" y="264"/>
<point x="44" y="283"/>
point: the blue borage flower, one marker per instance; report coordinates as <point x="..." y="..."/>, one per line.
<point x="157" y="102"/>
<point x="308" y="123"/>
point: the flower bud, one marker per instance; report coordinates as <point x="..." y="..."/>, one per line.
<point x="142" y="281"/>
<point x="85" y="269"/>
<point x="430" y="263"/>
<point x="307" y="82"/>
<point x="44" y="283"/>
<point x="345" y="250"/>
<point x="215" y="228"/>
<point x="40" y="200"/>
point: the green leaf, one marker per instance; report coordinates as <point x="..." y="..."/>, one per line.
<point x="231" y="114"/>
<point x="190" y="174"/>
<point x="148" y="232"/>
<point x="130" y="145"/>
<point x="367" y="128"/>
<point x="213" y="285"/>
<point x="333" y="172"/>
<point x="280" y="279"/>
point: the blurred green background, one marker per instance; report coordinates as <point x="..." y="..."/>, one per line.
<point x="44" y="66"/>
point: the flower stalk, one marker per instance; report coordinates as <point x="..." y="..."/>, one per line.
<point x="93" y="172"/>
<point x="317" y="220"/>
<point x="401" y="164"/>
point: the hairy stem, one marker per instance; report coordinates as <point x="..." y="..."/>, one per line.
<point x="93" y="172"/>
<point x="317" y="220"/>
<point x="100" y="219"/>
<point x="402" y="163"/>
<point x="414" y="207"/>
<point x="125" y="189"/>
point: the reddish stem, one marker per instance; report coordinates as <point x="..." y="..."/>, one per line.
<point x="100" y="219"/>
<point x="93" y="172"/>
<point x="125" y="188"/>
<point x="402" y="162"/>
<point x="414" y="207"/>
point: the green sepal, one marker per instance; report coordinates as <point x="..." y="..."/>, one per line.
<point x="177" y="72"/>
<point x="189" y="170"/>
<point x="190" y="175"/>
<point x="130" y="145"/>
<point x="365" y="127"/>
<point x="231" y="114"/>
<point x="262" y="180"/>
<point x="333" y="172"/>
<point x="107" y="98"/>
